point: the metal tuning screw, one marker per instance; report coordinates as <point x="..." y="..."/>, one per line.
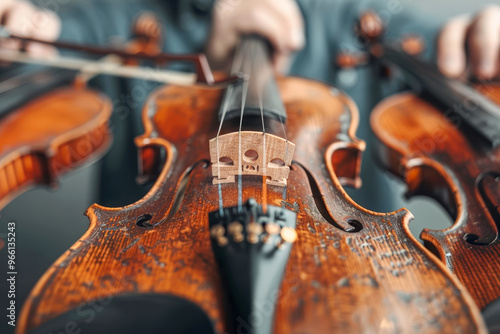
<point x="413" y="45"/>
<point x="370" y="26"/>
<point x="235" y="229"/>
<point x="351" y="60"/>
<point x="287" y="234"/>
<point x="271" y="229"/>
<point x="254" y="231"/>
<point x="217" y="232"/>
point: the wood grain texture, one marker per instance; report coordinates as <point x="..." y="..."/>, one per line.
<point x="376" y="278"/>
<point x="435" y="159"/>
<point x="51" y="136"/>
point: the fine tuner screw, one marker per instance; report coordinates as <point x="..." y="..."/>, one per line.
<point x="271" y="229"/>
<point x="217" y="233"/>
<point x="255" y="232"/>
<point x="235" y="229"/>
<point x="288" y="234"/>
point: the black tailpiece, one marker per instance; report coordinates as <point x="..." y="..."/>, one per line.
<point x="252" y="250"/>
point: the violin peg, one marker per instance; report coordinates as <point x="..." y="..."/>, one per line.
<point x="147" y="25"/>
<point x="148" y="40"/>
<point x="413" y="45"/>
<point x="351" y="59"/>
<point x="370" y="26"/>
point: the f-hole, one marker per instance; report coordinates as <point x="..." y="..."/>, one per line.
<point x="145" y="219"/>
<point x="320" y="204"/>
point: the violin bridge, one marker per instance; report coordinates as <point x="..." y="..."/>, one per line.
<point x="274" y="163"/>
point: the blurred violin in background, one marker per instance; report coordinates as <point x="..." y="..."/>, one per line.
<point x="59" y="130"/>
<point x="443" y="141"/>
<point x="446" y="146"/>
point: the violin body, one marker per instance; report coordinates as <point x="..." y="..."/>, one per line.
<point x="435" y="158"/>
<point x="50" y="136"/>
<point x="349" y="270"/>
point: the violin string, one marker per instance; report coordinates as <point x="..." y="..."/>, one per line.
<point x="235" y="68"/>
<point x="240" y="170"/>
<point x="244" y="92"/>
<point x="259" y="92"/>
<point x="224" y="110"/>
<point x="237" y="65"/>
<point x="264" y="169"/>
<point x="286" y="149"/>
<point x="283" y="127"/>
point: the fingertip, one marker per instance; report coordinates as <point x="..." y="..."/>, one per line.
<point x="484" y="43"/>
<point x="486" y="69"/>
<point x="298" y="40"/>
<point x="451" y="52"/>
<point x="451" y="66"/>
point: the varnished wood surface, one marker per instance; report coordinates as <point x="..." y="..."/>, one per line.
<point x="437" y="160"/>
<point x="50" y="136"/>
<point x="379" y="279"/>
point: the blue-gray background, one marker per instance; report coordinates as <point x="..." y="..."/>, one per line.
<point x="48" y="222"/>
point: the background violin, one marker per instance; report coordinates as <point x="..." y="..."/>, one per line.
<point x="50" y="135"/>
<point x="443" y="141"/>
<point x="241" y="234"/>
<point x="445" y="144"/>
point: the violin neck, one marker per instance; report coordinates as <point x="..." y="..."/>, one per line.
<point x="476" y="111"/>
<point x="258" y="92"/>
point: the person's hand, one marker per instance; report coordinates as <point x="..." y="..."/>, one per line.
<point x="24" y="19"/>
<point x="280" y="21"/>
<point x="471" y="41"/>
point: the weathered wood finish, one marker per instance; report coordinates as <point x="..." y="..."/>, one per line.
<point x="51" y="136"/>
<point x="379" y="279"/>
<point x="435" y="159"/>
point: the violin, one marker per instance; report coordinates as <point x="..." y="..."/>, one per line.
<point x="247" y="228"/>
<point x="445" y="144"/>
<point x="52" y="134"/>
<point x="442" y="140"/>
